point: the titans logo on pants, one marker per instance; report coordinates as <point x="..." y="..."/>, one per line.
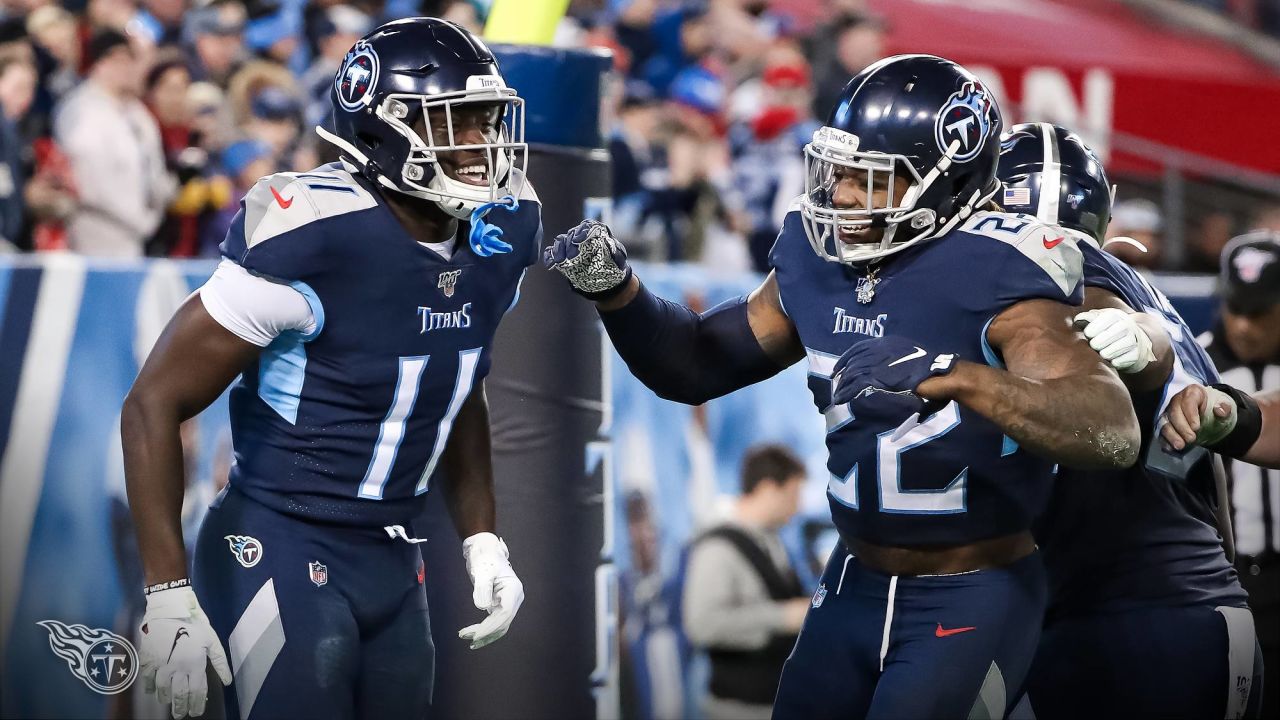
<point x="247" y="550"/>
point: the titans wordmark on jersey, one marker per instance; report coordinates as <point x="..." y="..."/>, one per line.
<point x="349" y="422"/>
<point x="953" y="477"/>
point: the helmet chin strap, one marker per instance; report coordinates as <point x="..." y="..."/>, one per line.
<point x="362" y="161"/>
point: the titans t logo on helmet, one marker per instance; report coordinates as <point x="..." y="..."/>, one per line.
<point x="964" y="118"/>
<point x="358" y="76"/>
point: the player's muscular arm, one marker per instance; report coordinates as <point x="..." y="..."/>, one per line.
<point x="1266" y="449"/>
<point x="1058" y="398"/>
<point x="1115" y="340"/>
<point x="692" y="358"/>
<point x="677" y="353"/>
<point x="194" y="360"/>
<point x="468" y="492"/>
<point x="772" y="328"/>
<point x="468" y="467"/>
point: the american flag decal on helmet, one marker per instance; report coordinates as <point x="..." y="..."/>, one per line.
<point x="1017" y="196"/>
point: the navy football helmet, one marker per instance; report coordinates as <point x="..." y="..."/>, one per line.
<point x="1048" y="171"/>
<point x="915" y="116"/>
<point x="404" y="75"/>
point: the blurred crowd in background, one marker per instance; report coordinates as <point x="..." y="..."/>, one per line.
<point x="191" y="102"/>
<point x="1263" y="15"/>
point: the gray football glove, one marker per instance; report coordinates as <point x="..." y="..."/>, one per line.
<point x="591" y="258"/>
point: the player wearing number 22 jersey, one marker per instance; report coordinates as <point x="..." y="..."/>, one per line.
<point x="358" y="304"/>
<point x="939" y="343"/>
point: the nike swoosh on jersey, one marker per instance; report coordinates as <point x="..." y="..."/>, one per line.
<point x="1051" y="244"/>
<point x="941" y="632"/>
<point x="918" y="353"/>
<point x="284" y="204"/>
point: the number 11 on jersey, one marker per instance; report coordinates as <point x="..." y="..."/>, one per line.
<point x="391" y="432"/>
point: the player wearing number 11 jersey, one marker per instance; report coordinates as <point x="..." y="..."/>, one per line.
<point x="941" y="447"/>
<point x="357" y="303"/>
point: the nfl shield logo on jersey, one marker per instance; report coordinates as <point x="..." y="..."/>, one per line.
<point x="319" y="573"/>
<point x="818" y="596"/>
<point x="247" y="550"/>
<point x="102" y="660"/>
<point x="448" y="282"/>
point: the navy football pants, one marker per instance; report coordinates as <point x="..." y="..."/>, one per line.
<point x="942" y="646"/>
<point x="327" y="622"/>
<point x="1181" y="662"/>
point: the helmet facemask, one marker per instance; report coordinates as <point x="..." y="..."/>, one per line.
<point x="423" y="175"/>
<point x="904" y="223"/>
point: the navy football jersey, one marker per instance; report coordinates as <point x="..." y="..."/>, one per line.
<point x="952" y="478"/>
<point x="348" y="423"/>
<point x="1146" y="535"/>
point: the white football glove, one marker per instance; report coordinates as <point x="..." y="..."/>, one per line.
<point x="177" y="642"/>
<point x="496" y="589"/>
<point x="1118" y="338"/>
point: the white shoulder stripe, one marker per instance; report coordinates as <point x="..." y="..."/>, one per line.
<point x="525" y="191"/>
<point x="287" y="201"/>
<point x="1055" y="250"/>
<point x="1047" y="210"/>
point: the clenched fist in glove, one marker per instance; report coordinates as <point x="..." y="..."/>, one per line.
<point x="888" y="365"/>
<point x="495" y="588"/>
<point x="591" y="258"/>
<point x="1116" y="336"/>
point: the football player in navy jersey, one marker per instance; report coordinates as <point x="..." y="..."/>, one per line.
<point x="357" y="304"/>
<point x="942" y="447"/>
<point x="1146" y="615"/>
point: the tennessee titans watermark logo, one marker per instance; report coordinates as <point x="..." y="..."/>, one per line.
<point x="966" y="119"/>
<point x="247" y="550"/>
<point x="358" y="76"/>
<point x="818" y="596"/>
<point x="103" y="661"/>
<point x="319" y="573"/>
<point x="448" y="282"/>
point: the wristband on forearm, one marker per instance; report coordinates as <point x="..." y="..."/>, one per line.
<point x="166" y="585"/>
<point x="1248" y="424"/>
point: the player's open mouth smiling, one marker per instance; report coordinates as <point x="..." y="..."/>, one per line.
<point x="850" y="236"/>
<point x="473" y="172"/>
